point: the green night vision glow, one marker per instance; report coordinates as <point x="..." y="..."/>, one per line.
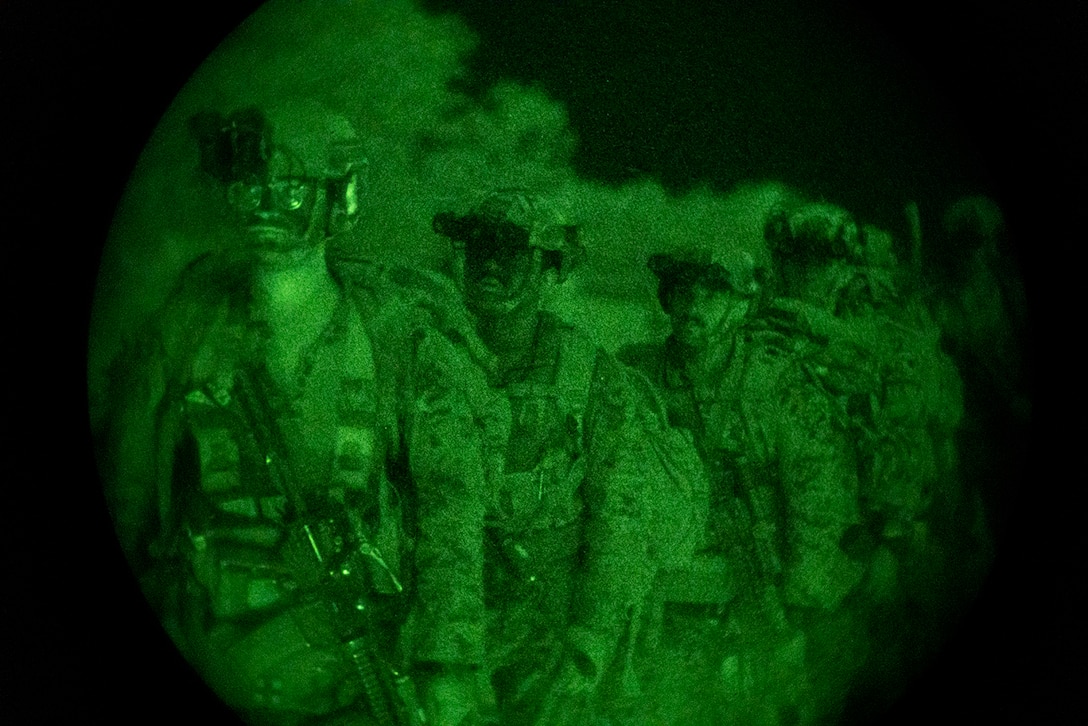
<point x="402" y="420"/>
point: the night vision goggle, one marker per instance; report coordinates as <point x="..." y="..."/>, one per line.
<point x="233" y="148"/>
<point x="476" y="231"/>
<point x="674" y="271"/>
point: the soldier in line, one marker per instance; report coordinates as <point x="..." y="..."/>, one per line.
<point x="292" y="455"/>
<point x="589" y="491"/>
<point x="981" y="306"/>
<point x="783" y="491"/>
<point x="876" y="354"/>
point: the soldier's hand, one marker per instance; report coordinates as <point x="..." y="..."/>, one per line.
<point x="567" y="699"/>
<point x="451" y="698"/>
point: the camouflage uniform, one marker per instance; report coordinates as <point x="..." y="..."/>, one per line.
<point x="783" y="494"/>
<point x="393" y="445"/>
<point x="285" y="529"/>
<point x="878" y="358"/>
<point x="581" y="510"/>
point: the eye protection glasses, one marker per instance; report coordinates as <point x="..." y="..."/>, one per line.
<point x="284" y="194"/>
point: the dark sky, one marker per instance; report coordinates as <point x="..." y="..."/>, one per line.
<point x="920" y="101"/>
<point x="868" y="109"/>
<point x="649" y="91"/>
<point x="694" y="92"/>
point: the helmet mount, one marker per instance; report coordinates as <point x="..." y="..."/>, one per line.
<point x="299" y="139"/>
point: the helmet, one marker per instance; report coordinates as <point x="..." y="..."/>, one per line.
<point x="711" y="266"/>
<point x="300" y="138"/>
<point x="517" y="217"/>
<point x="878" y="249"/>
<point x="812" y="233"/>
<point x="314" y="141"/>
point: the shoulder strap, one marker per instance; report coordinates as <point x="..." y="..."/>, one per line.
<point x="574" y="375"/>
<point x="389" y="325"/>
<point x="358" y="428"/>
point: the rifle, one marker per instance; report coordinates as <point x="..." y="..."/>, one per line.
<point x="330" y="554"/>
<point x="768" y="656"/>
<point x="750" y="497"/>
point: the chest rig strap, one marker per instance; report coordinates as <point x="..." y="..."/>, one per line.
<point x="534" y="527"/>
<point x="356" y="448"/>
<point x="250" y="483"/>
<point x="358" y="466"/>
<point x="544" y="453"/>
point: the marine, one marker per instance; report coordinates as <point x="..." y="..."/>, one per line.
<point x="783" y="492"/>
<point x="876" y="353"/>
<point x="293" y="455"/>
<point x="581" y="509"/>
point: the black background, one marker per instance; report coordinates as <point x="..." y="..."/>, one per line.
<point x="84" y="85"/>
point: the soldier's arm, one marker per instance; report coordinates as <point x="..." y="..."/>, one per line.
<point x="138" y="424"/>
<point x="144" y="405"/>
<point x="619" y="560"/>
<point x="127" y="452"/>
<point x="445" y="456"/>
<point x="818" y="473"/>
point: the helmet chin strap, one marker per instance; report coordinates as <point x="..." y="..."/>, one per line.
<point x="739" y="314"/>
<point x="529" y="294"/>
<point x="527" y="297"/>
<point x="342" y="205"/>
<point x="317" y="229"/>
<point x="311" y="242"/>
